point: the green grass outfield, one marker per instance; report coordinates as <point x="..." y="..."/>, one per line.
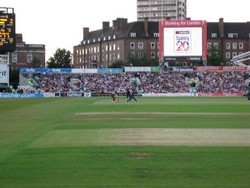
<point x="156" y="142"/>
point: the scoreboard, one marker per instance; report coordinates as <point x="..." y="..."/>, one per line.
<point x="7" y="32"/>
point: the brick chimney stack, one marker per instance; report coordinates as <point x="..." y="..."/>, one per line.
<point x="114" y="23"/>
<point x="85" y="33"/>
<point x="121" y="24"/>
<point x="105" y="27"/>
<point x="221" y="27"/>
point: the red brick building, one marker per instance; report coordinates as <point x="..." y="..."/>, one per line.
<point x="231" y="38"/>
<point x="101" y="48"/>
<point x="24" y="54"/>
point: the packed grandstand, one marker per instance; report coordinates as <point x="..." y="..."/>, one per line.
<point x="147" y="81"/>
<point x="198" y="81"/>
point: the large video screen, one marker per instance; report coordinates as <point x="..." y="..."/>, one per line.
<point x="182" y="41"/>
<point x="7" y="32"/>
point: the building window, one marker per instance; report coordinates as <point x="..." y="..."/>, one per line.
<point x="110" y="56"/>
<point x="216" y="45"/>
<point x="140" y="55"/>
<point x="232" y="35"/>
<point x="234" y="54"/>
<point x="132" y="45"/>
<point x="209" y="45"/>
<point x="29" y="57"/>
<point x="152" y="55"/>
<point x="240" y="53"/>
<point x="228" y="55"/>
<point x="228" y="46"/>
<point x="156" y="35"/>
<point x="140" y="45"/>
<point x="14" y="57"/>
<point x="234" y="46"/>
<point x="132" y="34"/>
<point x="132" y="54"/>
<point x="214" y="35"/>
<point x="241" y="46"/>
<point x="152" y="45"/>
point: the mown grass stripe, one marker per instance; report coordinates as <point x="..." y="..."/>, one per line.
<point x="159" y="113"/>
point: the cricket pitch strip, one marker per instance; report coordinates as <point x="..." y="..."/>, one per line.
<point x="144" y="137"/>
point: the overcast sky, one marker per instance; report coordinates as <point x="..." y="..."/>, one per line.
<point x="59" y="23"/>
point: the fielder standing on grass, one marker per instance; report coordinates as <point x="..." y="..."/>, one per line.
<point x="131" y="95"/>
<point x="114" y="96"/>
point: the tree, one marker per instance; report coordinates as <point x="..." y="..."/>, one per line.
<point x="61" y="59"/>
<point x="214" y="57"/>
<point x="154" y="63"/>
<point x="117" y="64"/>
<point x="144" y="62"/>
<point x="137" y="62"/>
<point x="36" y="63"/>
<point x="14" y="78"/>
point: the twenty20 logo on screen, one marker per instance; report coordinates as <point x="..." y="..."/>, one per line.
<point x="182" y="41"/>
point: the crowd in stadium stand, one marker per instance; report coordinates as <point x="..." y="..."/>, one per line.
<point x="149" y="82"/>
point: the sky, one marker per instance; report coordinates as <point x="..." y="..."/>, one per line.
<point x="59" y="23"/>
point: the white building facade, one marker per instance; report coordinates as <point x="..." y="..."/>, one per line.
<point x="158" y="10"/>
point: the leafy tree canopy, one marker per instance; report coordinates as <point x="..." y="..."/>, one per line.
<point x="36" y="63"/>
<point x="214" y="57"/>
<point x="62" y="59"/>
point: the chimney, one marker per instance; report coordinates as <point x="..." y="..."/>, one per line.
<point x="146" y="26"/>
<point x="121" y="24"/>
<point x="19" y="38"/>
<point x="105" y="27"/>
<point x="114" y="23"/>
<point x="221" y="27"/>
<point x="85" y="33"/>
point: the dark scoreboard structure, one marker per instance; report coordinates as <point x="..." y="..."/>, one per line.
<point x="7" y="30"/>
